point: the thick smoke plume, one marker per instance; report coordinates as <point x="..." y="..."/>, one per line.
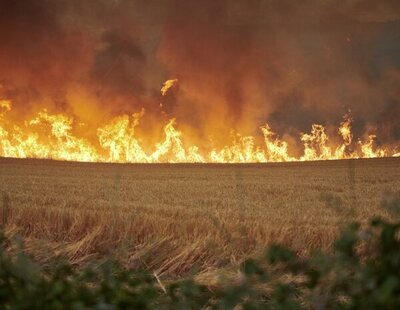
<point x="240" y="63"/>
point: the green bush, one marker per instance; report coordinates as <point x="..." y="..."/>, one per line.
<point x="363" y="272"/>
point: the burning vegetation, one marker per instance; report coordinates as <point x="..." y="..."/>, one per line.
<point x="48" y="135"/>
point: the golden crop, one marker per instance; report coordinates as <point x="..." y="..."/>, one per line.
<point x="172" y="219"/>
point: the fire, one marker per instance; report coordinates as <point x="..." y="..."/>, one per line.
<point x="118" y="139"/>
<point x="315" y="144"/>
<point x="5" y="105"/>
<point x="54" y="136"/>
<point x="167" y="85"/>
<point x="277" y="150"/>
<point x="347" y="136"/>
<point x="368" y="151"/>
<point x="345" y="131"/>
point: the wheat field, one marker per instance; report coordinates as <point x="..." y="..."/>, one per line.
<point x="181" y="219"/>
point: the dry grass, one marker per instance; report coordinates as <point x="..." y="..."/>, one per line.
<point x="175" y="219"/>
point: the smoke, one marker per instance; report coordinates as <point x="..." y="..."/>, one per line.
<point x="286" y="62"/>
<point x="240" y="63"/>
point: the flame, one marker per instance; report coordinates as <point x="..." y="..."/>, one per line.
<point x="315" y="144"/>
<point x="368" y="151"/>
<point x="5" y="106"/>
<point x="118" y="139"/>
<point x="347" y="137"/>
<point x="54" y="136"/>
<point x="345" y="131"/>
<point x="277" y="150"/>
<point x="167" y="85"/>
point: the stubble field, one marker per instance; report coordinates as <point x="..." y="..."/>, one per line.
<point x="179" y="219"/>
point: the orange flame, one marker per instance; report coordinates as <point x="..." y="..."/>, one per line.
<point x="167" y="85"/>
<point x="52" y="136"/>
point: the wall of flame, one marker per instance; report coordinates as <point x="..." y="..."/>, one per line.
<point x="52" y="136"/>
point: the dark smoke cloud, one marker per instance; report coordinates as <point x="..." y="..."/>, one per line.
<point x="119" y="64"/>
<point x="240" y="63"/>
